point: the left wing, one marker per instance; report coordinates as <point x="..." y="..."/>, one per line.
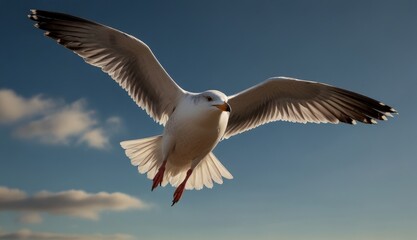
<point x="294" y="100"/>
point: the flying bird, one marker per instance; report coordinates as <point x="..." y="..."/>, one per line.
<point x="194" y="123"/>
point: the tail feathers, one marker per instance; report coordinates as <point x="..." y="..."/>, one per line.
<point x="145" y="153"/>
<point x="208" y="170"/>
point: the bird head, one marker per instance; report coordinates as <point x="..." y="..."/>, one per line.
<point x="215" y="100"/>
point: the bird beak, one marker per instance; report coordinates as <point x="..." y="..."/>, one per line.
<point x="224" y="107"/>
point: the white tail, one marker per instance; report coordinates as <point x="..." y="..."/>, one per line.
<point x="208" y="170"/>
<point x="146" y="154"/>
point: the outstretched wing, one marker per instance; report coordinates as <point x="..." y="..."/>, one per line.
<point x="300" y="101"/>
<point x="129" y="61"/>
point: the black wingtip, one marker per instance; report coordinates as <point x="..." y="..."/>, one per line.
<point x="392" y="110"/>
<point x="42" y="15"/>
<point x="32" y="17"/>
<point x="32" y="12"/>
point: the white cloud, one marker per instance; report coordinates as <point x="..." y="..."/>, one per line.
<point x="52" y="121"/>
<point x="28" y="234"/>
<point x="114" y="121"/>
<point x="8" y="194"/>
<point x="95" y="138"/>
<point x="61" y="126"/>
<point x="75" y="203"/>
<point x="14" y="107"/>
<point x="30" y="218"/>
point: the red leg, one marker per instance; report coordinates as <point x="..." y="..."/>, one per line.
<point x="157" y="180"/>
<point x="180" y="189"/>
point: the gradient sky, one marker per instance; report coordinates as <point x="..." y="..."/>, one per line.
<point x="291" y="181"/>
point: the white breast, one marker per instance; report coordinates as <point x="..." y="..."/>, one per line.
<point x="192" y="132"/>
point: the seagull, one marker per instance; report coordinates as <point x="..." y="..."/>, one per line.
<point x="194" y="123"/>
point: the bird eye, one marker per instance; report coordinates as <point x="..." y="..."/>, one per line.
<point x="209" y="98"/>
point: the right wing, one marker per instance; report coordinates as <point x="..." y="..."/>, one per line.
<point x="129" y="61"/>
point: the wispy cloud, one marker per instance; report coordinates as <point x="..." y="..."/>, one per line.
<point x="10" y="194"/>
<point x="95" y="138"/>
<point x="30" y="218"/>
<point x="28" y="234"/>
<point x="75" y="203"/>
<point x="54" y="122"/>
<point x="114" y="121"/>
<point x="71" y="123"/>
<point x="14" y="107"/>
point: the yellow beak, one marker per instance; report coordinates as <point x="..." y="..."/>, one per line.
<point x="224" y="107"/>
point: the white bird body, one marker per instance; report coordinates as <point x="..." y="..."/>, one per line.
<point x="196" y="122"/>
<point x="192" y="131"/>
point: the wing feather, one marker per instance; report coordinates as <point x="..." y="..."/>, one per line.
<point x="129" y="61"/>
<point x="295" y="100"/>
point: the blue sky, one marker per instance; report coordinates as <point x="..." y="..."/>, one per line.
<point x="291" y="181"/>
